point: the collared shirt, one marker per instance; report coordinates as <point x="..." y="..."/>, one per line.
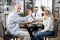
<point x="37" y="15"/>
<point x="48" y="24"/>
<point x="12" y="23"/>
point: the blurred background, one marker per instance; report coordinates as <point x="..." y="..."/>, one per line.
<point x="6" y="6"/>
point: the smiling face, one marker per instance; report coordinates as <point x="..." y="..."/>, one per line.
<point x="17" y="8"/>
<point x="46" y="11"/>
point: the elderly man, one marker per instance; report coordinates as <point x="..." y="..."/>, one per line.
<point x="13" y="21"/>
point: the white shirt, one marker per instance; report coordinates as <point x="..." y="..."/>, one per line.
<point x="48" y="25"/>
<point x="38" y="15"/>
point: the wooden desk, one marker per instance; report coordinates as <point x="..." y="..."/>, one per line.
<point x="29" y="24"/>
<point x="31" y="27"/>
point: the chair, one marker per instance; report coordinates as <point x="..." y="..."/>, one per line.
<point x="54" y="35"/>
<point x="1" y="31"/>
<point x="6" y="36"/>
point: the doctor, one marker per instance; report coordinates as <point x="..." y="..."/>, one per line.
<point x="35" y="14"/>
<point x="13" y="21"/>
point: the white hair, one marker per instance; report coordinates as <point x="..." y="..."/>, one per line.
<point x="50" y="12"/>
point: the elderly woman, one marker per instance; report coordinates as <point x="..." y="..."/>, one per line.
<point x="48" y="26"/>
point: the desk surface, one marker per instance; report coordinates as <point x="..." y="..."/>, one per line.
<point x="31" y="24"/>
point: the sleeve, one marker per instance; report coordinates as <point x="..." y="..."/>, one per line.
<point x="47" y="26"/>
<point x="25" y="19"/>
<point x="17" y="18"/>
<point x="28" y="19"/>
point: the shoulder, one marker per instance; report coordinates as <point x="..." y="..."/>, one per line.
<point x="12" y="14"/>
<point x="49" y="18"/>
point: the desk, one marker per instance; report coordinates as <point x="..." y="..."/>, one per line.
<point x="37" y="22"/>
<point x="31" y="27"/>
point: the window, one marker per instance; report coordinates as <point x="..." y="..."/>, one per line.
<point x="47" y="3"/>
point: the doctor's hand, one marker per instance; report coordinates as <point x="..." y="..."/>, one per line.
<point x="32" y="33"/>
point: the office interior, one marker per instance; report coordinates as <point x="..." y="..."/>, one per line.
<point x="6" y="6"/>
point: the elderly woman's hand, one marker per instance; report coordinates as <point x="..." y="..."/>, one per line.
<point x="32" y="33"/>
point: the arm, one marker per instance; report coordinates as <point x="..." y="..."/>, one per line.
<point x="17" y="18"/>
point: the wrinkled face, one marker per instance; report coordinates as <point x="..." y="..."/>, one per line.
<point x="18" y="9"/>
<point x="35" y="10"/>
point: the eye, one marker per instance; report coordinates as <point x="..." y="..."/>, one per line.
<point x="19" y="8"/>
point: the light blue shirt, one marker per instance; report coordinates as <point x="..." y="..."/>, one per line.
<point x="38" y="15"/>
<point x="12" y="23"/>
<point x="28" y="18"/>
